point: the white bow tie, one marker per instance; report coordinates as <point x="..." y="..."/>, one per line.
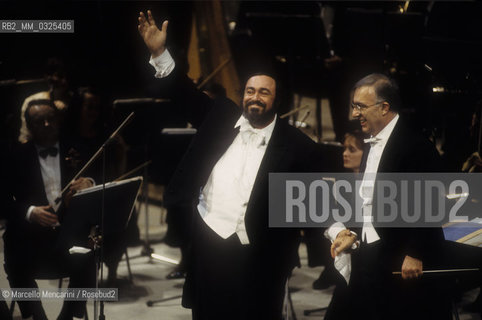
<point x="252" y="136"/>
<point x="372" y="140"/>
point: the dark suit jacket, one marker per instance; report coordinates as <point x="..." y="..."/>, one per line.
<point x="5" y="190"/>
<point x="27" y="187"/>
<point x="288" y="150"/>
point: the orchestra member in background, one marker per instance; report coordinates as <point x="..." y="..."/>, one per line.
<point x="353" y="150"/>
<point x="7" y="201"/>
<point x="37" y="171"/>
<point x="58" y="92"/>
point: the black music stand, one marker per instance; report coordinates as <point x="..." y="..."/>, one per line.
<point x="107" y="205"/>
<point x="86" y="205"/>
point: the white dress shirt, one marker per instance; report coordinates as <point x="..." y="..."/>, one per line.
<point x="223" y="200"/>
<point x="164" y="64"/>
<point x="369" y="234"/>
<point x="50" y="169"/>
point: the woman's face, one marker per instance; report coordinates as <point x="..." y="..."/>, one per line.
<point x="352" y="155"/>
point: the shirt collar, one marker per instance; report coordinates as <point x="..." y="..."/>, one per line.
<point x="387" y="130"/>
<point x="266" y="131"/>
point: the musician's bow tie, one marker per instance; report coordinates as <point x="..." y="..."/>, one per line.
<point x="52" y="151"/>
<point x="372" y="141"/>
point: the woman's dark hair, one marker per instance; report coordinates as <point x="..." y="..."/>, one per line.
<point x="358" y="135"/>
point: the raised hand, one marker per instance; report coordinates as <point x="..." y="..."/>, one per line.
<point x="154" y="38"/>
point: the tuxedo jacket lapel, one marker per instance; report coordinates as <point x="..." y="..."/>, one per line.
<point x="273" y="156"/>
<point x="391" y="156"/>
<point x="26" y="181"/>
<point x="221" y="145"/>
<point x="67" y="159"/>
<point x="36" y="172"/>
<point x="274" y="152"/>
<point x="366" y="150"/>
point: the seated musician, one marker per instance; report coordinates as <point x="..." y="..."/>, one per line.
<point x="37" y="171"/>
<point x="7" y="203"/>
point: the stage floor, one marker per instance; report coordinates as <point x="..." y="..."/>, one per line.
<point x="150" y="283"/>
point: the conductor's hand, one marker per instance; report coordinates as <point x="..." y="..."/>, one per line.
<point x="42" y="216"/>
<point x="411" y="268"/>
<point x="344" y="241"/>
<point x="154" y="38"/>
<point x="77" y="185"/>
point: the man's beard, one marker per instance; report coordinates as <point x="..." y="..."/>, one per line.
<point x="257" y="117"/>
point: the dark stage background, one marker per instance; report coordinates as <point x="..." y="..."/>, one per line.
<point x="430" y="44"/>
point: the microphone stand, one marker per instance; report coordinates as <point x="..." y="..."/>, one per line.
<point x="100" y="247"/>
<point x="101" y="257"/>
<point x="146" y="249"/>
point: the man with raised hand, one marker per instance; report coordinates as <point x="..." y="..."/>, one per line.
<point x="238" y="266"/>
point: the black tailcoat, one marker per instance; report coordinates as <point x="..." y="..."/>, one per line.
<point x="272" y="252"/>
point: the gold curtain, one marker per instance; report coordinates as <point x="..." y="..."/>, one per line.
<point x="209" y="47"/>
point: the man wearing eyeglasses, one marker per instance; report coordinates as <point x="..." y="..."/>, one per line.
<point x="373" y="292"/>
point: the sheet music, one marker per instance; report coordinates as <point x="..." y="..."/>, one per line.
<point x="107" y="186"/>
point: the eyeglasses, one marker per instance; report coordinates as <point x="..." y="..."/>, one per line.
<point x="361" y="106"/>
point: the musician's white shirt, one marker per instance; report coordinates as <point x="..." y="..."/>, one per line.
<point x="50" y="169"/>
<point x="224" y="198"/>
